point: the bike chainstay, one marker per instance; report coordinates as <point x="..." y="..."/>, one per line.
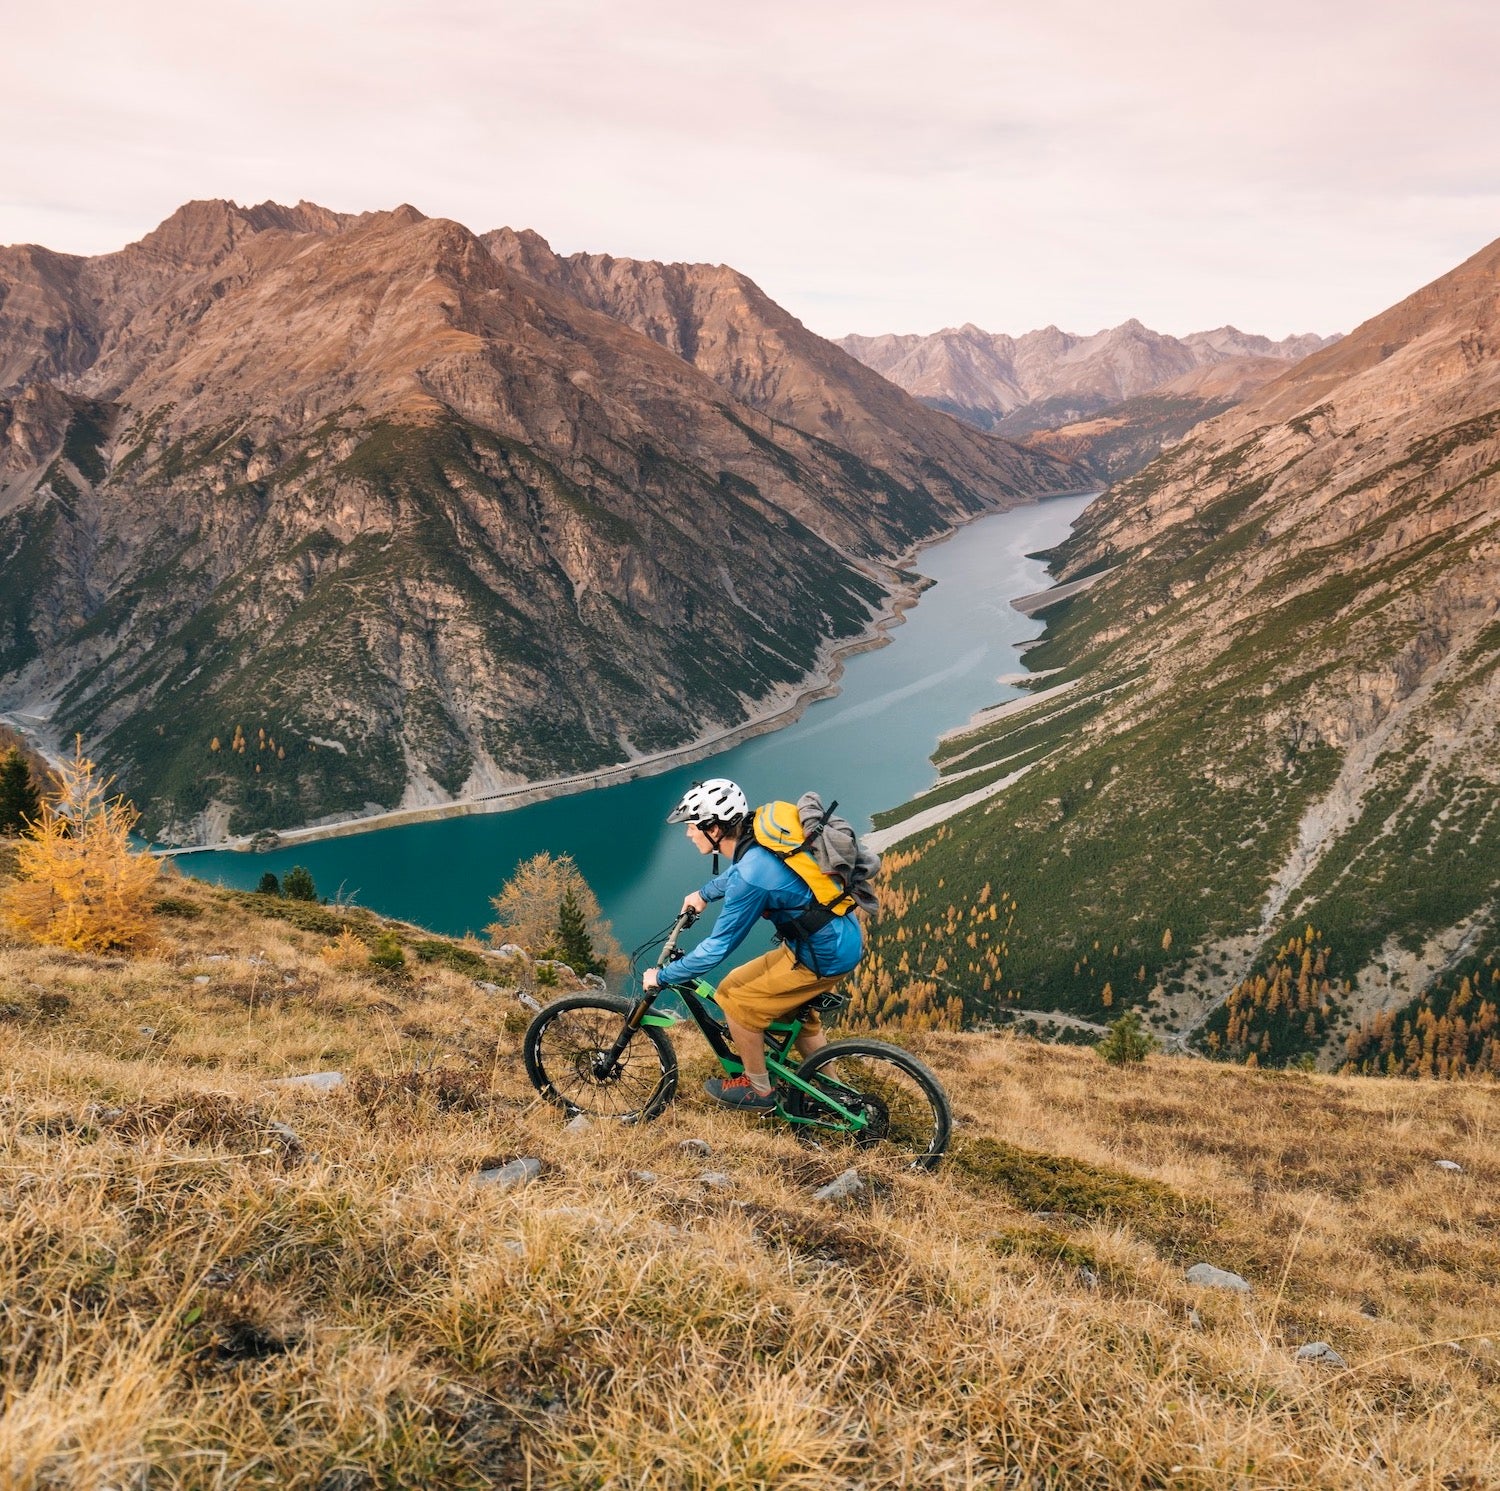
<point x="837" y="1115"/>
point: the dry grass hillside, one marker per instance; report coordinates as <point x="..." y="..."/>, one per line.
<point x="209" y="1281"/>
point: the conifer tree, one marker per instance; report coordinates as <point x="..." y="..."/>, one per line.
<point x="80" y="885"/>
<point x="20" y="801"/>
<point x="298" y="884"/>
<point x="529" y="908"/>
<point x="573" y="944"/>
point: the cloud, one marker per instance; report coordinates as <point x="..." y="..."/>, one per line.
<point x="875" y="167"/>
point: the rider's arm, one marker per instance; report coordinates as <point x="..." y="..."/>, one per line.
<point x="743" y="904"/>
<point x="713" y="890"/>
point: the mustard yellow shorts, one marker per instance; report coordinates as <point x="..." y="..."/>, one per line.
<point x="770" y="986"/>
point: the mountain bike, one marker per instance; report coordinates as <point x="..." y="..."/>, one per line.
<point x="605" y="1056"/>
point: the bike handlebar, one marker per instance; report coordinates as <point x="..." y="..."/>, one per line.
<point x="685" y="918"/>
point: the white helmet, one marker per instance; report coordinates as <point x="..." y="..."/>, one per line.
<point x="717" y="800"/>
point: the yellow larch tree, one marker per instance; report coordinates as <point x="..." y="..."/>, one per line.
<point x="79" y="883"/>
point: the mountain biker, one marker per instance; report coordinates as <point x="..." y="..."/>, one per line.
<point x="756" y="884"/>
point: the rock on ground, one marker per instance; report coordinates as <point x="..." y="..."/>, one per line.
<point x="840" y="1187"/>
<point x="1209" y="1277"/>
<point x="509" y="1177"/>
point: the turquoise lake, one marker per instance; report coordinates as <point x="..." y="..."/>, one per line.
<point x="869" y="747"/>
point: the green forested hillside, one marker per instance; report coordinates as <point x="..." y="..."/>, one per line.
<point x="1280" y="730"/>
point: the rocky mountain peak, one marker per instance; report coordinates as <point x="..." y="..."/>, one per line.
<point x="361" y="480"/>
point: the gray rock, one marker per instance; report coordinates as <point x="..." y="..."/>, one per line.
<point x="509" y="1177"/>
<point x="524" y="998"/>
<point x="1320" y="1351"/>
<point x="1208" y="1277"/>
<point x="577" y="1124"/>
<point x="1194" y="1319"/>
<point x="146" y="1030"/>
<point x="488" y="987"/>
<point x="840" y="1187"/>
<point x="1451" y="1165"/>
<point x="510" y="950"/>
<point x="1089" y="1276"/>
<point x="716" y="1179"/>
<point x="201" y="979"/>
<point x="287" y="1137"/>
<point x="700" y="1147"/>
<point x="312" y="1081"/>
<point x="644" y="1177"/>
<point x="593" y="981"/>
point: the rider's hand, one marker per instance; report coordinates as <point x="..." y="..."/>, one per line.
<point x="650" y="979"/>
<point x="694" y="902"/>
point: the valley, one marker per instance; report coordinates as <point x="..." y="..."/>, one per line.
<point x="1266" y="809"/>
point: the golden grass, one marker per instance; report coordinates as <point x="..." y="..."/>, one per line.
<point x="196" y="1298"/>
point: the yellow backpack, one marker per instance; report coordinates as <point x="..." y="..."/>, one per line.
<point x="823" y="852"/>
<point x="779" y="828"/>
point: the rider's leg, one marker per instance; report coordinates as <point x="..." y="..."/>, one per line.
<point x="751" y="1046"/>
<point x="765" y="989"/>
<point x="812" y="1039"/>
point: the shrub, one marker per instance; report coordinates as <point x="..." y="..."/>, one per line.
<point x="458" y="956"/>
<point x="388" y="953"/>
<point x="80" y="885"/>
<point x="298" y="885"/>
<point x="1128" y="1040"/>
<point x="269" y="885"/>
<point x="347" y="950"/>
<point x="178" y="906"/>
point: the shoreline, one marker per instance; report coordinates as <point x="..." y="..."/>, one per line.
<point x="822" y="682"/>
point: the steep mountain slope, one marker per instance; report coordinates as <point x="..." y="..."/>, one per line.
<point x="215" y="1240"/>
<point x="305" y="514"/>
<point x="1122" y="438"/>
<point x="1263" y="790"/>
<point x="728" y="328"/>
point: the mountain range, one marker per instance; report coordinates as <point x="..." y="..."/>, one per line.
<point x="1257" y="789"/>
<point x="1109" y="401"/>
<point x="305" y="514"/>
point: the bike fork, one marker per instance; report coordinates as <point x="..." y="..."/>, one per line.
<point x="607" y="1061"/>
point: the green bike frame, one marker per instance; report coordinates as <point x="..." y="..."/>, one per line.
<point x="824" y="1110"/>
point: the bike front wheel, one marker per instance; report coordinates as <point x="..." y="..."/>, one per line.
<point x="567" y="1050"/>
<point x="905" y="1109"/>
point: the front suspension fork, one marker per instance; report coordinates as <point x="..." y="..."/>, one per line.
<point x="607" y="1061"/>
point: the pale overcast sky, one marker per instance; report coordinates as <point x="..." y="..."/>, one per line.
<point x="874" y="166"/>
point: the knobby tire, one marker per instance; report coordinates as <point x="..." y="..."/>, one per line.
<point x="904" y="1100"/>
<point x="563" y="1043"/>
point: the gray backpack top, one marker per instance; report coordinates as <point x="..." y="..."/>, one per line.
<point x="837" y="849"/>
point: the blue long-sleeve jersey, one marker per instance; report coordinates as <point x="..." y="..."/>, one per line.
<point x="757" y="884"/>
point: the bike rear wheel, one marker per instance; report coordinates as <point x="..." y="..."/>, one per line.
<point x="905" y="1107"/>
<point x="566" y="1049"/>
